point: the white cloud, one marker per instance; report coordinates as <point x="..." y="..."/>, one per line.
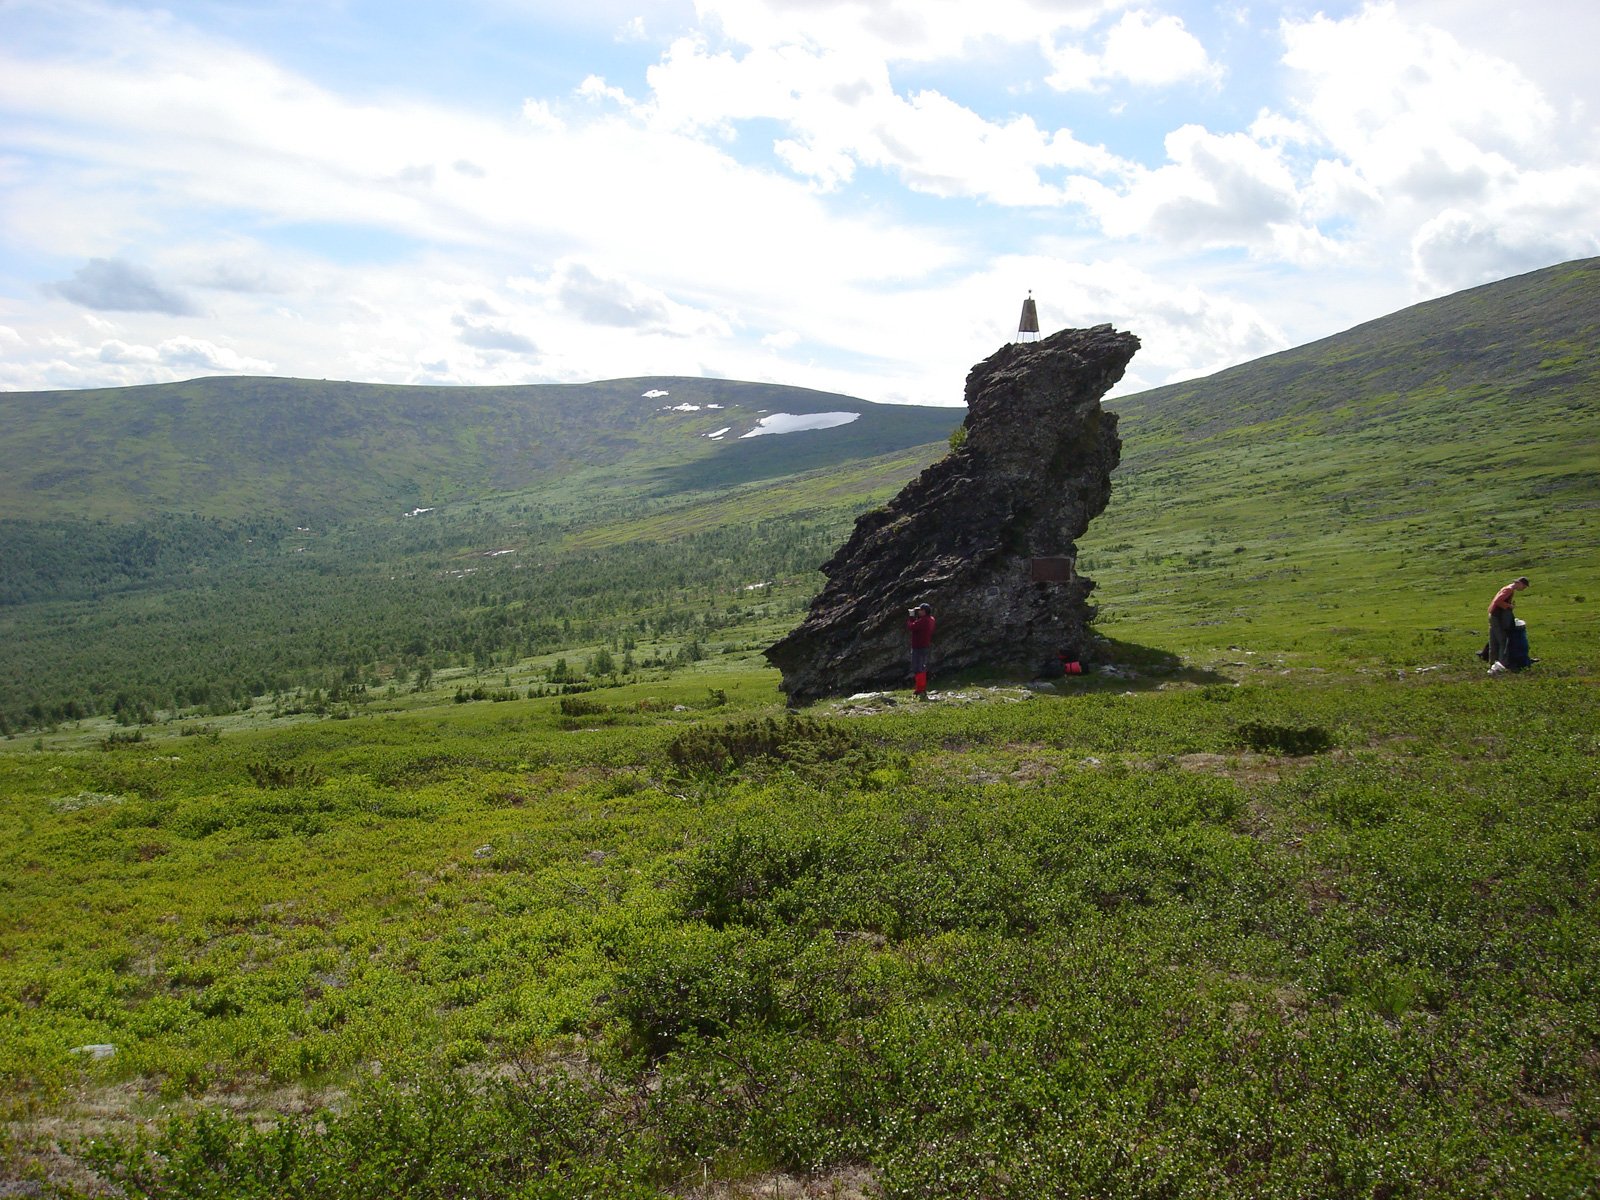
<point x="1186" y="330"/>
<point x="111" y="285"/>
<point x="1451" y="153"/>
<point x="1460" y="249"/>
<point x="1550" y="42"/>
<point x="619" y="303"/>
<point x="904" y="31"/>
<point x="1377" y="88"/>
<point x="233" y="131"/>
<point x="68" y="362"/>
<point x="1141" y="49"/>
<point x="181" y="354"/>
<point x="1224" y="189"/>
<point x="486" y="335"/>
<point x="539" y="115"/>
<point x="841" y="111"/>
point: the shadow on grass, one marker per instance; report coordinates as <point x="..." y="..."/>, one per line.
<point x="1134" y="668"/>
<point x="1151" y="665"/>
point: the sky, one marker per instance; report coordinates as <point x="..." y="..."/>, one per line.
<point x="836" y="194"/>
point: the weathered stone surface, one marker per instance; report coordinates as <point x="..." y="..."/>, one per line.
<point x="1034" y="470"/>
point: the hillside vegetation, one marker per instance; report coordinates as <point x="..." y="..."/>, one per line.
<point x="1355" y="496"/>
<point x="320" y="453"/>
<point x="418" y="559"/>
<point x="1284" y="898"/>
<point x="1357" y="491"/>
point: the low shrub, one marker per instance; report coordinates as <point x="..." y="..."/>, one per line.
<point x="1295" y="741"/>
<point x="535" y="1136"/>
<point x="272" y="773"/>
<point x="796" y="741"/>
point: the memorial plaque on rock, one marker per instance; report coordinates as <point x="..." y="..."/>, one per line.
<point x="1051" y="570"/>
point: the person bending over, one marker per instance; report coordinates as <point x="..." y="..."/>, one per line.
<point x="1502" y="620"/>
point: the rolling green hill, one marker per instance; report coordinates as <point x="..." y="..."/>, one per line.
<point x="1365" y="494"/>
<point x="325" y="452"/>
<point x="1479" y="352"/>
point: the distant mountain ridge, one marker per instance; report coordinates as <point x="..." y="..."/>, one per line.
<point x="335" y="451"/>
<point x="235" y="445"/>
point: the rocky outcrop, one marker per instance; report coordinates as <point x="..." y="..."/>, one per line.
<point x="964" y="536"/>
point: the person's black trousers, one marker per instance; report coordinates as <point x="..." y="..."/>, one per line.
<point x="1501" y="622"/>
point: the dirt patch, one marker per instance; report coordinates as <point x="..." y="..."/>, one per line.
<point x="40" y="1147"/>
<point x="1241" y="768"/>
<point x="1244" y="768"/>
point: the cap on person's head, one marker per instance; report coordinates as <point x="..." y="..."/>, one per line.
<point x="925" y="607"/>
<point x="1522" y="579"/>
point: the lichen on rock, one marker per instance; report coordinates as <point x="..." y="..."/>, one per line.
<point x="1033" y="470"/>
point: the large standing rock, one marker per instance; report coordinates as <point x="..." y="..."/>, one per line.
<point x="1034" y="469"/>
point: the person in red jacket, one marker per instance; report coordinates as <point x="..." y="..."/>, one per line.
<point x="920" y="624"/>
<point x="1502" y="620"/>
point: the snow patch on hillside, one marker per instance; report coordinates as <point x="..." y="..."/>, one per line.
<point x="797" y="423"/>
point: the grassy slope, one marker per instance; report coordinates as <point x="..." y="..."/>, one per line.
<point x="1108" y="942"/>
<point x="1090" y="944"/>
<point x="1366" y="494"/>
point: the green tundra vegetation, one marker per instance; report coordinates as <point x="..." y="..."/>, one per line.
<point x="1284" y="897"/>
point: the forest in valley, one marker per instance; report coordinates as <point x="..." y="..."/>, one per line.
<point x="184" y="614"/>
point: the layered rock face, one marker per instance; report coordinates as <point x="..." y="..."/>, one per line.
<point x="963" y="536"/>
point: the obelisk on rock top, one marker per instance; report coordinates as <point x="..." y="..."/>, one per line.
<point x="974" y="533"/>
<point x="1028" y="325"/>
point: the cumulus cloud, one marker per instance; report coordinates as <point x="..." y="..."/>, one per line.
<point x="243" y="277"/>
<point x="1218" y="188"/>
<point x="1423" y="143"/>
<point x="1141" y="49"/>
<point x="1459" y="249"/>
<point x="485" y="335"/>
<point x="1378" y="88"/>
<point x="112" y="285"/>
<point x="618" y="303"/>
<point x="539" y="115"/>
<point x="416" y="175"/>
<point x="180" y="355"/>
<point x="841" y="110"/>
